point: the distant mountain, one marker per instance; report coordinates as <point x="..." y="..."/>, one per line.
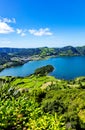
<point x="21" y="51"/>
<point x="81" y="50"/>
<point x="4" y="57"/>
<point x="68" y="50"/>
<point x="64" y="51"/>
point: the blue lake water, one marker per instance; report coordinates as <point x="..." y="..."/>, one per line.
<point x="65" y="67"/>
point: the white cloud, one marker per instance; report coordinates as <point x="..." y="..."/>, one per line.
<point x="7" y="20"/>
<point x="5" y="28"/>
<point x="40" y="32"/>
<point x="21" y="32"/>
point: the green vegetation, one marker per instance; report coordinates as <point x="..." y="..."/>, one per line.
<point x="45" y="51"/>
<point x="42" y="103"/>
<point x="44" y="70"/>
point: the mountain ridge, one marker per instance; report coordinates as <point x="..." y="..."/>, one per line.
<point x="15" y="50"/>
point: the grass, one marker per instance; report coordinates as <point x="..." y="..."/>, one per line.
<point x="42" y="102"/>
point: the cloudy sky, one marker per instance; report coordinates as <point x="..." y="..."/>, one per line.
<point x="37" y="23"/>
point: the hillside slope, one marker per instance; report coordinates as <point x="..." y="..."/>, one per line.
<point x="42" y="102"/>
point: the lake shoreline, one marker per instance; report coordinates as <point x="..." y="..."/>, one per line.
<point x="2" y="67"/>
<point x="66" y="68"/>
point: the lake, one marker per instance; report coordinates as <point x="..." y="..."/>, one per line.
<point x="65" y="67"/>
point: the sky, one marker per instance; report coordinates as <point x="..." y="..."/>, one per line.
<point x="42" y="23"/>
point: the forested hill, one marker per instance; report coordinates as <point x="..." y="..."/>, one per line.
<point x="68" y="50"/>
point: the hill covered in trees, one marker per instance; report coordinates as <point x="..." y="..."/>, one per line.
<point x="68" y="50"/>
<point x="44" y="70"/>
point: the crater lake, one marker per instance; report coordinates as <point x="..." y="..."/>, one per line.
<point x="64" y="67"/>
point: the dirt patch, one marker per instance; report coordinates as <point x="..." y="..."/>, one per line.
<point x="45" y="85"/>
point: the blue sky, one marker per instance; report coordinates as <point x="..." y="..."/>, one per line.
<point x="38" y="23"/>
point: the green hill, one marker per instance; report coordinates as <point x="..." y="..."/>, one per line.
<point x="42" y="102"/>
